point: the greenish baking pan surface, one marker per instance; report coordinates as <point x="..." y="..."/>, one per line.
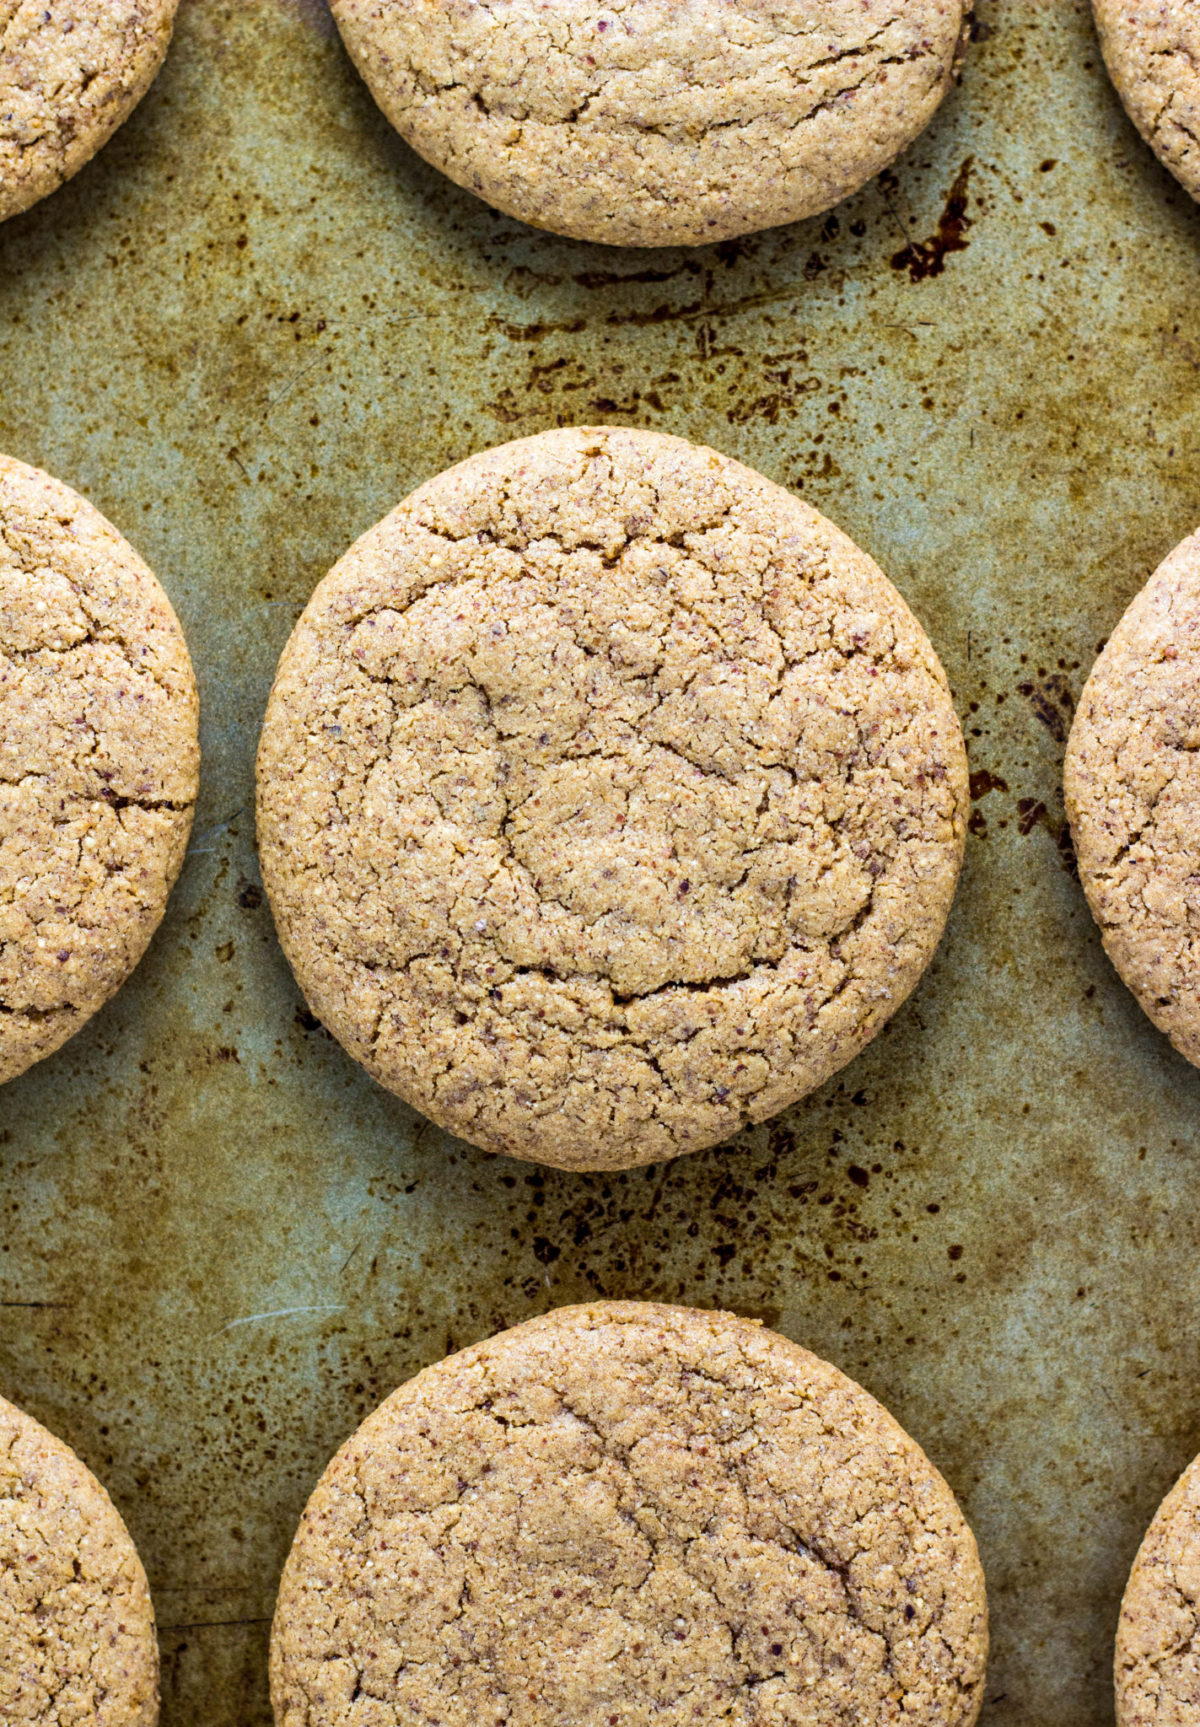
<point x="252" y="325"/>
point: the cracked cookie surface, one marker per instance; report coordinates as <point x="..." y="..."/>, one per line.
<point x="1132" y="781"/>
<point x="609" y="798"/>
<point x="1152" y="50"/>
<point x="98" y="761"/>
<point x="77" y="1640"/>
<point x="70" y="72"/>
<point x="657" y="122"/>
<point x="634" y="1513"/>
<point x="1157" y="1666"/>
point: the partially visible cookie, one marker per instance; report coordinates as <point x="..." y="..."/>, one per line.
<point x="657" y="122"/>
<point x="1152" y="50"/>
<point x="1157" y="1667"/>
<point x="633" y="1514"/>
<point x="98" y="761"/>
<point x="609" y="798"/>
<point x="70" y="72"/>
<point x="1132" y="783"/>
<point x="77" y="1641"/>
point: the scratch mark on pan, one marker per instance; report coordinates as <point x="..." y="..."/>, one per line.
<point x="290" y="385"/>
<point x="281" y="1313"/>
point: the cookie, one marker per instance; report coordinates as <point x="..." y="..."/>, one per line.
<point x="636" y="1514"/>
<point x="77" y="1640"/>
<point x="1133" y="796"/>
<point x="98" y="761"/>
<point x="1157" y="1667"/>
<point x="657" y="122"/>
<point x="70" y="72"/>
<point x="1152" y="50"/>
<point x="609" y="799"/>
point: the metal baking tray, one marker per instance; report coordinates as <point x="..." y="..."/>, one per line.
<point x="252" y="325"/>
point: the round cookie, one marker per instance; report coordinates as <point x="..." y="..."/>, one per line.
<point x="1132" y="782"/>
<point x="609" y="799"/>
<point x="98" y="761"/>
<point x="636" y="1514"/>
<point x="1152" y="50"/>
<point x="1157" y="1666"/>
<point x="77" y="1640"/>
<point x="70" y="72"/>
<point x="657" y="122"/>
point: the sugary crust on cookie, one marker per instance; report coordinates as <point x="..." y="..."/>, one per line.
<point x="1152" y="50"/>
<point x="609" y="798"/>
<point x="657" y="122"/>
<point x="1132" y="783"/>
<point x="70" y="72"/>
<point x="77" y="1642"/>
<point x="1157" y="1666"/>
<point x="633" y="1513"/>
<point x="98" y="761"/>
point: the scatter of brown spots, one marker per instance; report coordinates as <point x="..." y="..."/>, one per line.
<point x="1052" y="702"/>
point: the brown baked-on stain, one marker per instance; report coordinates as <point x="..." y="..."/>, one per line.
<point x="984" y="781"/>
<point x="1032" y="813"/>
<point x="622" y="278"/>
<point x="924" y="259"/>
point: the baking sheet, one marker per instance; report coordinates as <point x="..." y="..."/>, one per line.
<point x="250" y="327"/>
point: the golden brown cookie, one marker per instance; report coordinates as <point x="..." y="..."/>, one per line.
<point x="70" y="72"/>
<point x="1152" y="50"/>
<point x="1157" y="1667"/>
<point x="77" y="1643"/>
<point x="609" y="798"/>
<point x="635" y="1514"/>
<point x="1133" y="796"/>
<point x="657" y="122"/>
<point x="98" y="761"/>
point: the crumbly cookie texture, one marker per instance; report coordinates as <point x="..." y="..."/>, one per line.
<point x="1133" y="796"/>
<point x="1157" y="1666"/>
<point x="609" y="799"/>
<point x="77" y="1642"/>
<point x="657" y="122"/>
<point x="1152" y="50"/>
<point x="632" y="1513"/>
<point x="70" y="72"/>
<point x="98" y="761"/>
